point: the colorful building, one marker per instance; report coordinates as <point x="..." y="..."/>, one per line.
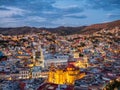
<point x="64" y="76"/>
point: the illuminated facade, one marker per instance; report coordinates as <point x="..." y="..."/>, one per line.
<point x="82" y="63"/>
<point x="24" y="74"/>
<point x="75" y="55"/>
<point x="38" y="57"/>
<point x="67" y="76"/>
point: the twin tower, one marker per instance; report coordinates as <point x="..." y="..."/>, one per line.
<point x="38" y="57"/>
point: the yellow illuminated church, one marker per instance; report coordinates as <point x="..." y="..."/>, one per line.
<point x="64" y="76"/>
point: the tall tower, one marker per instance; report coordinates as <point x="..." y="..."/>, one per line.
<point x="41" y="56"/>
<point x="33" y="55"/>
<point x="38" y="57"/>
<point x="86" y="61"/>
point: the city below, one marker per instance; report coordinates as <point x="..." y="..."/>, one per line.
<point x="49" y="61"/>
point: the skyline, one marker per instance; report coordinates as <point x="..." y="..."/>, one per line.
<point x="54" y="13"/>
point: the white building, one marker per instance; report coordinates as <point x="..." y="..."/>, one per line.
<point x="44" y="59"/>
<point x="36" y="72"/>
<point x="24" y="74"/>
<point x="57" y="59"/>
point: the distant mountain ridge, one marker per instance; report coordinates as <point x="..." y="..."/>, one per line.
<point x="61" y="30"/>
<point x="95" y="27"/>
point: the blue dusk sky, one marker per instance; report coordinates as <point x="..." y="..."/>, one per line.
<point x="54" y="13"/>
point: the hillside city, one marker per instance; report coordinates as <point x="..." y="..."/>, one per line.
<point x="48" y="61"/>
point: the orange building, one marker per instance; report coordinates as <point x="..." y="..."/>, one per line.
<point x="67" y="76"/>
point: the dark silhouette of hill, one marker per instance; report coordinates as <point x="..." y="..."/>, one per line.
<point x="66" y="30"/>
<point x="19" y="30"/>
<point x="61" y="30"/>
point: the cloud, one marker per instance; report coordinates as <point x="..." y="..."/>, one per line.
<point x="9" y="21"/>
<point x="56" y="12"/>
<point x="35" y="11"/>
<point x="65" y="6"/>
<point x="36" y="19"/>
<point x="10" y="15"/>
<point x="114" y="16"/>
<point x="6" y="11"/>
<point x="103" y="4"/>
<point x="77" y="16"/>
<point x="39" y="5"/>
<point x="61" y="12"/>
<point x="73" y="10"/>
<point x="67" y="21"/>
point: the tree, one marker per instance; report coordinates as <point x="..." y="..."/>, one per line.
<point x="82" y="44"/>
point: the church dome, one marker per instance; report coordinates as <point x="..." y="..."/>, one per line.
<point x="71" y="67"/>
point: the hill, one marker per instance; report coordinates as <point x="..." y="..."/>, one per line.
<point x="96" y="27"/>
<point x="61" y="30"/>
